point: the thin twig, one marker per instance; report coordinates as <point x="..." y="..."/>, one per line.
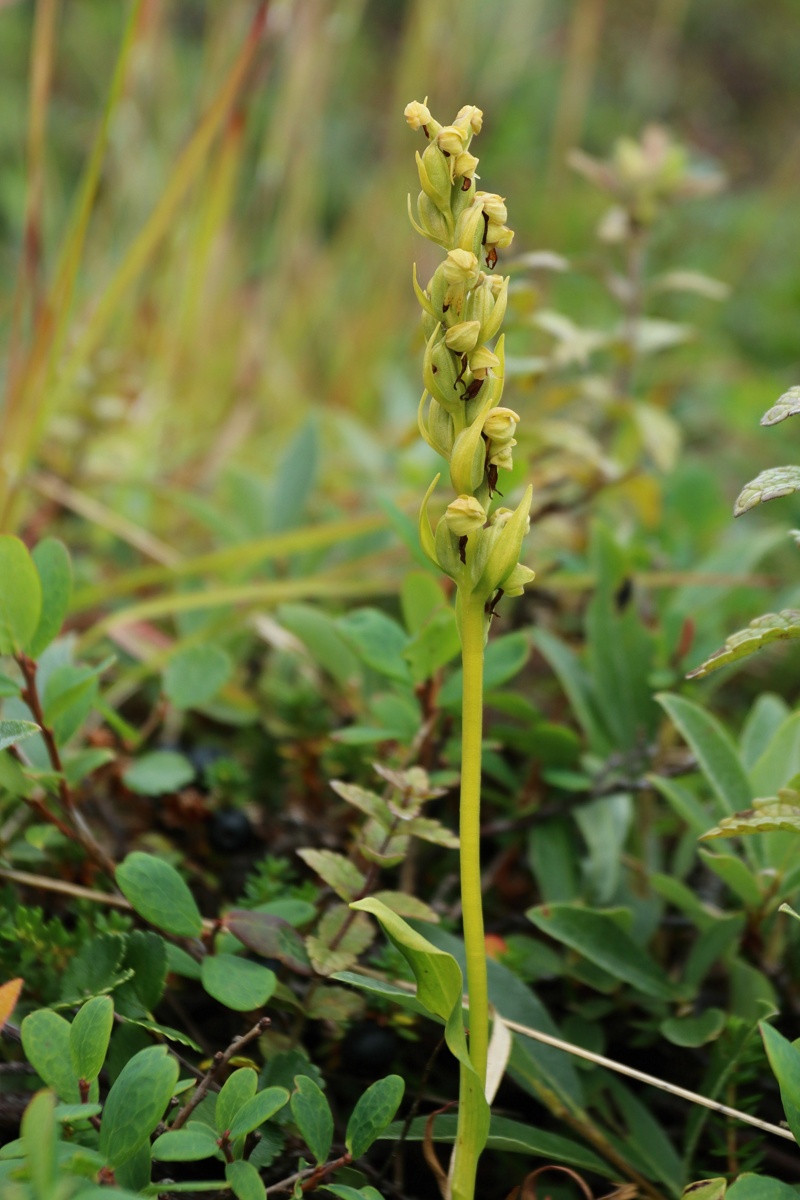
<point x="221" y="1058"/>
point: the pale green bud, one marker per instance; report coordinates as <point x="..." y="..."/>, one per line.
<point x="501" y="455"/>
<point x="468" y="460"/>
<point x="461" y="266"/>
<point x="487" y="304"/>
<point x="463" y="337"/>
<point x="498" y="235"/>
<point x="500" y="424"/>
<point x="514" y="584"/>
<point x="465" y="165"/>
<point x="465" y="515"/>
<point x="494" y="206"/>
<point x="448" y="551"/>
<point x="451" y="139"/>
<point x="482" y="361"/>
<point x="434" y="176"/>
<point x="497" y="554"/>
<point x="470" y="115"/>
<point x="470" y="228"/>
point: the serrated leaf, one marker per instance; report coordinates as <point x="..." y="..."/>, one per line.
<point x="364" y="800"/>
<point x="334" y="1004"/>
<point x="159" y="894"/>
<point x="382" y="849"/>
<point x="788" y="405"/>
<point x="374" y="1110"/>
<point x="158" y="772"/>
<point x="337" y="871"/>
<point x="238" y="1088"/>
<point x="46" y="1042"/>
<point x="52" y="562"/>
<point x="431" y="831"/>
<point x="270" y="936"/>
<point x="12" y="732"/>
<point x="236" y="982"/>
<point x="136" y="1103"/>
<point x="600" y="939"/>
<point x="194" y="1142"/>
<point x="771" y="627"/>
<point x="349" y="945"/>
<point x="257" y="1110"/>
<point x="20" y="596"/>
<point x="195" y="674"/>
<point x="769" y="485"/>
<point x="766" y="816"/>
<point x="89" y="1036"/>
<point x="245" y="1181"/>
<point x="313" y="1116"/>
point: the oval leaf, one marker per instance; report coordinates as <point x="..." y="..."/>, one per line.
<point x="245" y="1181"/>
<point x="46" y="1042"/>
<point x="186" y="1145"/>
<point x="12" y="732"/>
<point x="258" y="1110"/>
<point x="136" y="1103"/>
<point x="236" y="982"/>
<point x="159" y="772"/>
<point x="20" y="596"/>
<point x="51" y="559"/>
<point x="373" y="1112"/>
<point x="89" y="1036"/>
<point x="157" y="893"/>
<point x="195" y="674"/>
<point x="270" y="936"/>
<point x="236" y="1091"/>
<point x="313" y="1116"/>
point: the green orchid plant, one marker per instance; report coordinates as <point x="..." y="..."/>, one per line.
<point x="476" y="545"/>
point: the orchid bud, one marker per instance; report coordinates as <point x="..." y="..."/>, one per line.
<point x="432" y="220"/>
<point x="451" y="140"/>
<point x="498" y="235"/>
<point x="463" y="337"/>
<point x="461" y="266"/>
<point x="465" y="515"/>
<point x="514" y="583"/>
<point x="465" y="165"/>
<point x="470" y="115"/>
<point x="482" y="361"/>
<point x="500" y="424"/>
<point x="440" y="373"/>
<point x="494" y="206"/>
<point x="501" y="455"/>
<point x="417" y="115"/>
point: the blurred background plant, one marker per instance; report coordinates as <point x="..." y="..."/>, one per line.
<point x="209" y="381"/>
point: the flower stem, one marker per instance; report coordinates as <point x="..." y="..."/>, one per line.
<point x="472" y="643"/>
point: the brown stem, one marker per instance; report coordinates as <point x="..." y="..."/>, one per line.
<point x="221" y="1058"/>
<point x="77" y="830"/>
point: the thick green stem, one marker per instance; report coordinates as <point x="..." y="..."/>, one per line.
<point x="472" y="642"/>
<point x="468" y="1142"/>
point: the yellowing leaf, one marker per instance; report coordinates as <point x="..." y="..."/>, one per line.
<point x="9" y="995"/>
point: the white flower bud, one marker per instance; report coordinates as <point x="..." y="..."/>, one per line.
<point x="500" y="424"/>
<point x="417" y="114"/>
<point x="470" y="115"/>
<point x="463" y="337"/>
<point x="451" y="140"/>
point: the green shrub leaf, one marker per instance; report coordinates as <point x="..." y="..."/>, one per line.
<point x="257" y="1110"/>
<point x="603" y="942"/>
<point x="186" y="1145"/>
<point x="337" y="871"/>
<point x="269" y="936"/>
<point x="157" y="893"/>
<point x="46" y="1042"/>
<point x="12" y="732"/>
<point x="245" y="1181"/>
<point x="136" y="1103"/>
<point x="20" y="596"/>
<point x="714" y="750"/>
<point x="313" y="1116"/>
<point x="769" y="485"/>
<point x="158" y="772"/>
<point x="373" y="1112"/>
<point x="784" y="1058"/>
<point x="238" y="1088"/>
<point x="89" y="1036"/>
<point x="236" y="982"/>
<point x="51" y="559"/>
<point x="195" y="674"/>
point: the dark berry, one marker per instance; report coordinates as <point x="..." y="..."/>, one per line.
<point x="368" y="1049"/>
<point x="230" y="830"/>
